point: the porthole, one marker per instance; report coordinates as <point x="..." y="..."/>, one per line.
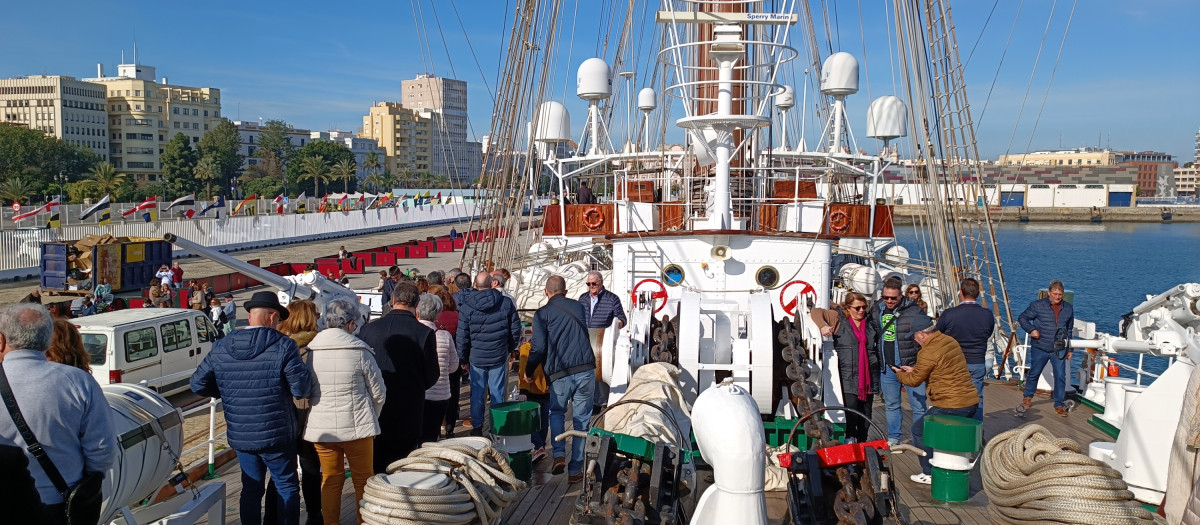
<point x="673" y="275"/>
<point x="767" y="277"/>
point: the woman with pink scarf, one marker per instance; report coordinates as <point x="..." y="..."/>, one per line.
<point x="858" y="362"/>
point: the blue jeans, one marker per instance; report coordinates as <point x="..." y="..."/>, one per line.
<point x="282" y="466"/>
<point x="918" y="429"/>
<point x="539" y="436"/>
<point x="890" y="387"/>
<point x="485" y="381"/>
<point x="1037" y="362"/>
<point x="576" y="389"/>
<point x="978" y="373"/>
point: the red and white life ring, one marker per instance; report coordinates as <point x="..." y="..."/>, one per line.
<point x="661" y="294"/>
<point x="593" y="218"/>
<point x="789" y="304"/>
<point x="839" y="222"/>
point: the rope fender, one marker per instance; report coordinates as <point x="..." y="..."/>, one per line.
<point x="1031" y="476"/>
<point x="478" y="484"/>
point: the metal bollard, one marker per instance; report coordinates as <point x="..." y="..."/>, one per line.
<point x="514" y="423"/>
<point x="956" y="443"/>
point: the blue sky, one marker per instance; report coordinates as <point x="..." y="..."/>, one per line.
<point x="1127" y="78"/>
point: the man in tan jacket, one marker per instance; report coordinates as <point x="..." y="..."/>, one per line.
<point x="943" y="368"/>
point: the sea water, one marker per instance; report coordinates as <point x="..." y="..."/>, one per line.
<point x="1110" y="267"/>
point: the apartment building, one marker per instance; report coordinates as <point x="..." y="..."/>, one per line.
<point x="249" y="132"/>
<point x="1072" y="157"/>
<point x="445" y="101"/>
<point x="403" y="133"/>
<point x="1185" y="181"/>
<point x="359" y="146"/>
<point x="1155" y="177"/>
<point x="63" y="107"/>
<point x="144" y="114"/>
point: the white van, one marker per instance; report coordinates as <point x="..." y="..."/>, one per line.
<point x="161" y="346"/>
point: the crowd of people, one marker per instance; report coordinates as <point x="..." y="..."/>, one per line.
<point x="320" y="388"/>
<point x="893" y="346"/>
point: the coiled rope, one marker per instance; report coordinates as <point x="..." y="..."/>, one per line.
<point x="1031" y="476"/>
<point x="466" y="481"/>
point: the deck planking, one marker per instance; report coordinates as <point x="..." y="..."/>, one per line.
<point x="550" y="500"/>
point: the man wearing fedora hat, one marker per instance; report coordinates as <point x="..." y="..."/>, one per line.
<point x="256" y="373"/>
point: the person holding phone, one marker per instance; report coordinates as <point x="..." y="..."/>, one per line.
<point x="942" y="367"/>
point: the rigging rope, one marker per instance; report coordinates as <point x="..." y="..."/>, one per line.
<point x="1031" y="476"/>
<point x="476" y="485"/>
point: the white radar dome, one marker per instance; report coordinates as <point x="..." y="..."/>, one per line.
<point x="839" y="75"/>
<point x="887" y="118"/>
<point x="786" y="99"/>
<point x="594" y="80"/>
<point x="647" y="99"/>
<point x="552" y="123"/>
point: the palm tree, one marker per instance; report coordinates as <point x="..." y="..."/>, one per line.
<point x="105" y="180"/>
<point x="344" y="169"/>
<point x="374" y="181"/>
<point x="207" y="170"/>
<point x="314" y="168"/>
<point x="15" y="189"/>
<point x="372" y="162"/>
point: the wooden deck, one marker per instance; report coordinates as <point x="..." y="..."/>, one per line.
<point x="550" y="499"/>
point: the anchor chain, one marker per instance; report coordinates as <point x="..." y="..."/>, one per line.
<point x="853" y="503"/>
<point x="664" y="340"/>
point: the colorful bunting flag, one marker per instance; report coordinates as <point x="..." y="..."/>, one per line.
<point x="102" y="204"/>
<point x="186" y="200"/>
<point x="243" y="204"/>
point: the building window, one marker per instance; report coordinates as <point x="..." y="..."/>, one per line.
<point x="160" y="109"/>
<point x="195" y="112"/>
<point x="176" y="125"/>
<point x="175" y="110"/>
<point x="206" y="112"/>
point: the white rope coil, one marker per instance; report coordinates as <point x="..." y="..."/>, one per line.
<point x="1031" y="476"/>
<point x="469" y="482"/>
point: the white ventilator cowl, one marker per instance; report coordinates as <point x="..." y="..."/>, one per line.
<point x="729" y="433"/>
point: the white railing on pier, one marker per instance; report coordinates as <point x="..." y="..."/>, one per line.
<point x="20" y="250"/>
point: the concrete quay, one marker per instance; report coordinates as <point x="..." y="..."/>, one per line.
<point x="907" y="214"/>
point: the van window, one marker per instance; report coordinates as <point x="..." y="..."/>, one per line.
<point x="207" y="332"/>
<point x="176" y="335"/>
<point x="96" y="346"/>
<point x="140" y="344"/>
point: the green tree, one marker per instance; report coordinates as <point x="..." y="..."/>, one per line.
<point x="178" y="161"/>
<point x="105" y="180"/>
<point x="16" y="189"/>
<point x="331" y="152"/>
<point x="273" y="137"/>
<point x="263" y="187"/>
<point x="373" y="182"/>
<point x="223" y="144"/>
<point x="345" y="169"/>
<point x="22" y="148"/>
<point x="207" y="170"/>
<point x="371" y="163"/>
<point x="316" y="169"/>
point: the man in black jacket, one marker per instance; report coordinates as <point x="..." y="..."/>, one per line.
<point x="971" y="325"/>
<point x="560" y="345"/>
<point x="894" y="321"/>
<point x="406" y="352"/>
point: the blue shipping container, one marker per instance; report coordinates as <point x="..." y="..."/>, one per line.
<point x="137" y="264"/>
<point x="1012" y="198"/>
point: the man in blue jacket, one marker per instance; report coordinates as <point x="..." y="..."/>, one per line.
<point x="894" y="320"/>
<point x="600" y="308"/>
<point x="1046" y="321"/>
<point x="971" y="325"/>
<point x="488" y="332"/>
<point x="560" y="345"/>
<point x="256" y="373"/>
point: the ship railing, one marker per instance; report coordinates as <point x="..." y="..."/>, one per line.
<point x="1094" y="366"/>
<point x="212" y="406"/>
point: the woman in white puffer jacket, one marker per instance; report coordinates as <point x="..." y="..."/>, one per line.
<point x="347" y="395"/>
<point x="429" y="307"/>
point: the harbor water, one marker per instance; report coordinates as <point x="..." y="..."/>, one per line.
<point x="1110" y="267"/>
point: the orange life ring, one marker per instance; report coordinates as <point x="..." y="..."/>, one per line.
<point x="839" y="222"/>
<point x="593" y="218"/>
